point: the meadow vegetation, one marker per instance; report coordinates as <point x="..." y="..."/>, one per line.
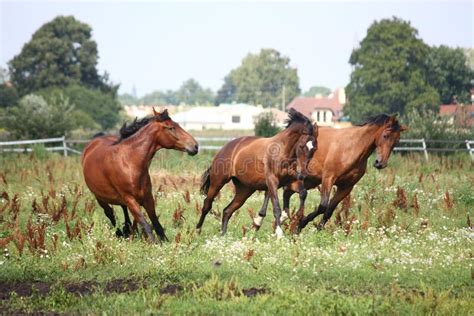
<point x="401" y="244"/>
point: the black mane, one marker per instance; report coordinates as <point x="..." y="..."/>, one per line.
<point x="379" y="120"/>
<point x="297" y="117"/>
<point x="128" y="130"/>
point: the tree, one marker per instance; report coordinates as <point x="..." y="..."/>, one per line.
<point x="34" y="117"/>
<point x="266" y="125"/>
<point x="450" y="74"/>
<point x="8" y="95"/>
<point x="389" y="72"/>
<point x="227" y="92"/>
<point x="191" y="92"/>
<point x="317" y="90"/>
<point x="60" y="53"/>
<point x="103" y="108"/>
<point x="265" y="78"/>
<point x="127" y="99"/>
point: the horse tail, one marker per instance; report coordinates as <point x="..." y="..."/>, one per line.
<point x="206" y="181"/>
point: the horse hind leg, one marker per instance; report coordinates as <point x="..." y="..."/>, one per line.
<point x="109" y="212"/>
<point x="242" y="193"/>
<point x="214" y="189"/>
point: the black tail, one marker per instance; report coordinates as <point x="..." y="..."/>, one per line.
<point x="205" y="181"/>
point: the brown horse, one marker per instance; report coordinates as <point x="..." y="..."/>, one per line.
<point x="116" y="169"/>
<point x="341" y="160"/>
<point x="254" y="163"/>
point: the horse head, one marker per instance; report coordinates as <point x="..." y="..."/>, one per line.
<point x="386" y="139"/>
<point x="172" y="136"/>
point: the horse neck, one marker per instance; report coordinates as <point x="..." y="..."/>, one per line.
<point x="289" y="137"/>
<point x="143" y="145"/>
<point x="365" y="140"/>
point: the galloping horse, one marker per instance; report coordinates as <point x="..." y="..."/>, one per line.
<point x="341" y="160"/>
<point x="116" y="169"/>
<point x="254" y="163"/>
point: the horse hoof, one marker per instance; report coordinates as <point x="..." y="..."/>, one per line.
<point x="118" y="233"/>
<point x="198" y="230"/>
<point x="257" y="221"/>
<point x="279" y="232"/>
<point x="283" y="217"/>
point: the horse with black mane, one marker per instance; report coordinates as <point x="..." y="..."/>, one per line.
<point x="341" y="160"/>
<point x="116" y="169"/>
<point x="254" y="163"/>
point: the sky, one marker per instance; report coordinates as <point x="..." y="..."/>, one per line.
<point x="158" y="45"/>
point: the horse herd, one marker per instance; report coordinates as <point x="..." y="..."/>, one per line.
<point x="299" y="158"/>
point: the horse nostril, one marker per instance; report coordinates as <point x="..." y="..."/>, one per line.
<point x="196" y="147"/>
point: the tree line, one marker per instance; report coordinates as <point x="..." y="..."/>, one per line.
<point x="55" y="78"/>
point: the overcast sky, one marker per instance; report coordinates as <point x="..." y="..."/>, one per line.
<point x="158" y="45"/>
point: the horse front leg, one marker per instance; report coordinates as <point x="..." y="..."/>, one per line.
<point x="138" y="217"/>
<point x="258" y="220"/>
<point x="272" y="189"/>
<point x="149" y="205"/>
<point x="323" y="205"/>
<point x="340" y="194"/>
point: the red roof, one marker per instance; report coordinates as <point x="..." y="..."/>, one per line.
<point x="307" y="105"/>
<point x="463" y="114"/>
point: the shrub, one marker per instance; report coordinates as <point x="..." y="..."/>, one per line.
<point x="265" y="125"/>
<point x="35" y="118"/>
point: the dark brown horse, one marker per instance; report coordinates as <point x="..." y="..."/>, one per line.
<point x="116" y="169"/>
<point x="254" y="163"/>
<point x="341" y="160"/>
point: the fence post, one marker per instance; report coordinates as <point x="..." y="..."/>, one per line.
<point x="64" y="146"/>
<point x="424" y="149"/>
<point x="469" y="149"/>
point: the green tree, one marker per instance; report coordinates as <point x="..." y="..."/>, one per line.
<point x="450" y="74"/>
<point x="265" y="78"/>
<point x="227" y="92"/>
<point x="266" y="125"/>
<point x="103" y="108"/>
<point x="60" y="53"/>
<point x="34" y="117"/>
<point x="389" y="72"/>
<point x="127" y="99"/>
<point x="317" y="90"/>
<point x="191" y="92"/>
<point x="8" y="95"/>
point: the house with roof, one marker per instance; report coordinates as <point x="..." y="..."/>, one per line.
<point x="238" y="116"/>
<point x="324" y="110"/>
<point x="459" y="114"/>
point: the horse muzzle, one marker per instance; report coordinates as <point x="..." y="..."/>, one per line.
<point x="192" y="150"/>
<point x="380" y="165"/>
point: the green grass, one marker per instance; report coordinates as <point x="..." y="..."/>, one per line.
<point x="385" y="256"/>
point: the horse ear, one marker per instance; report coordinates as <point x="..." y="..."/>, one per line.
<point x="403" y="128"/>
<point x="154" y="112"/>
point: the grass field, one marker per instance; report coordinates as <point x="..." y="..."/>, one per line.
<point x="402" y="244"/>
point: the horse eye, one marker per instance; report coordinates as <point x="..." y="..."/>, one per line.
<point x="385" y="136"/>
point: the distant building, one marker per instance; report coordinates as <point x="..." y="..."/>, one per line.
<point x="144" y="110"/>
<point x="462" y="115"/>
<point x="225" y="116"/>
<point x="326" y="111"/>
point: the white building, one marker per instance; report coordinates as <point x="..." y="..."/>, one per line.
<point x="225" y="116"/>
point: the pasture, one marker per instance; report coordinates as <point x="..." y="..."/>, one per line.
<point x="402" y="244"/>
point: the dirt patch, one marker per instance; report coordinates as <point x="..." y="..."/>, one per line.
<point x="171" y="289"/>
<point x="123" y="286"/>
<point x="23" y="289"/>
<point x="254" y="291"/>
<point x="82" y="288"/>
